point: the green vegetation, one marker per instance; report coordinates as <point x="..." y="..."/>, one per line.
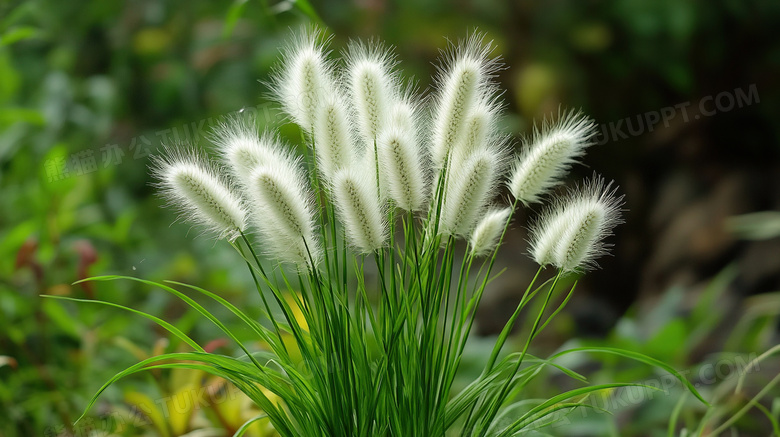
<point x="88" y="90"/>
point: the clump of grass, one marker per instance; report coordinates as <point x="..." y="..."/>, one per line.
<point x="395" y="181"/>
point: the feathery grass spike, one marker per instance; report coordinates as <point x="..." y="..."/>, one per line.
<point x="359" y="208"/>
<point x="305" y="78"/>
<point x="195" y="187"/>
<point x="485" y="237"/>
<point x="469" y="188"/>
<point x="368" y="329"/>
<point x="571" y="234"/>
<point x="545" y="160"/>
<point x="401" y="159"/>
<point x="282" y="209"/>
<point x="464" y="81"/>
<point x="333" y="138"/>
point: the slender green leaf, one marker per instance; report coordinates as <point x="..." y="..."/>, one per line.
<point x="245" y="427"/>
<point x="170" y="328"/>
<point x="637" y="357"/>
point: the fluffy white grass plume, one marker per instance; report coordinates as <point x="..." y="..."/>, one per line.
<point x="372" y="85"/>
<point x="544" y="161"/>
<point x="282" y="210"/>
<point x="571" y="234"/>
<point x="405" y="113"/>
<point x="480" y="131"/>
<point x="359" y="208"/>
<point x="480" y="126"/>
<point x="304" y="79"/>
<point x="469" y="188"/>
<point x="485" y="237"/>
<point x="464" y="80"/>
<point x="193" y="185"/>
<point x="401" y="158"/>
<point x="333" y="141"/>
<point x="545" y="233"/>
<point x="242" y="149"/>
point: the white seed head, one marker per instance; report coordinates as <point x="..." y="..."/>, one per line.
<point x="333" y="141"/>
<point x="242" y="149"/>
<point x="544" y="161"/>
<point x="401" y="158"/>
<point x="374" y="169"/>
<point x="360" y="211"/>
<point x="305" y="78"/>
<point x="405" y="113"/>
<point x="192" y="185"/>
<point x="488" y="231"/>
<point x="478" y="125"/>
<point x="545" y="234"/>
<point x="570" y="235"/>
<point x="469" y="188"/>
<point x="372" y="85"/>
<point x="480" y="131"/>
<point x="464" y="80"/>
<point x="282" y="209"/>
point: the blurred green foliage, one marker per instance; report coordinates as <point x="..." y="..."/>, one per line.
<point x="88" y="89"/>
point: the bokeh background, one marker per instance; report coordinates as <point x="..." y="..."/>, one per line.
<point x="685" y="93"/>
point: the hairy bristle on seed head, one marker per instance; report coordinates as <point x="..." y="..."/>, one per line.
<point x="372" y="85"/>
<point x="469" y="188"/>
<point x="545" y="160"/>
<point x="359" y="208"/>
<point x="464" y="80"/>
<point x="570" y="234"/>
<point x="194" y="186"/>
<point x="479" y="126"/>
<point x="401" y="158"/>
<point x="242" y="148"/>
<point x="305" y="78"/>
<point x="333" y="139"/>
<point x="282" y="209"/>
<point x="486" y="235"/>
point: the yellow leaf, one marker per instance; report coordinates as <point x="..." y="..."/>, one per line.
<point x="297" y="313"/>
<point x="181" y="406"/>
<point x="145" y="405"/>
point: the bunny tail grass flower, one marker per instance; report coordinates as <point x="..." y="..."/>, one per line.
<point x="334" y="145"/>
<point x="242" y="149"/>
<point x="372" y="86"/>
<point x="372" y="308"/>
<point x="479" y="125"/>
<point x="469" y="188"/>
<point x="401" y="159"/>
<point x="485" y="237"/>
<point x="571" y="234"/>
<point x="360" y="210"/>
<point x="283" y="212"/>
<point x="546" y="160"/>
<point x="480" y="131"/>
<point x="194" y="186"/>
<point x="464" y="80"/>
<point x="305" y="78"/>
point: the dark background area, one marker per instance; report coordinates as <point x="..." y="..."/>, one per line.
<point x="685" y="94"/>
